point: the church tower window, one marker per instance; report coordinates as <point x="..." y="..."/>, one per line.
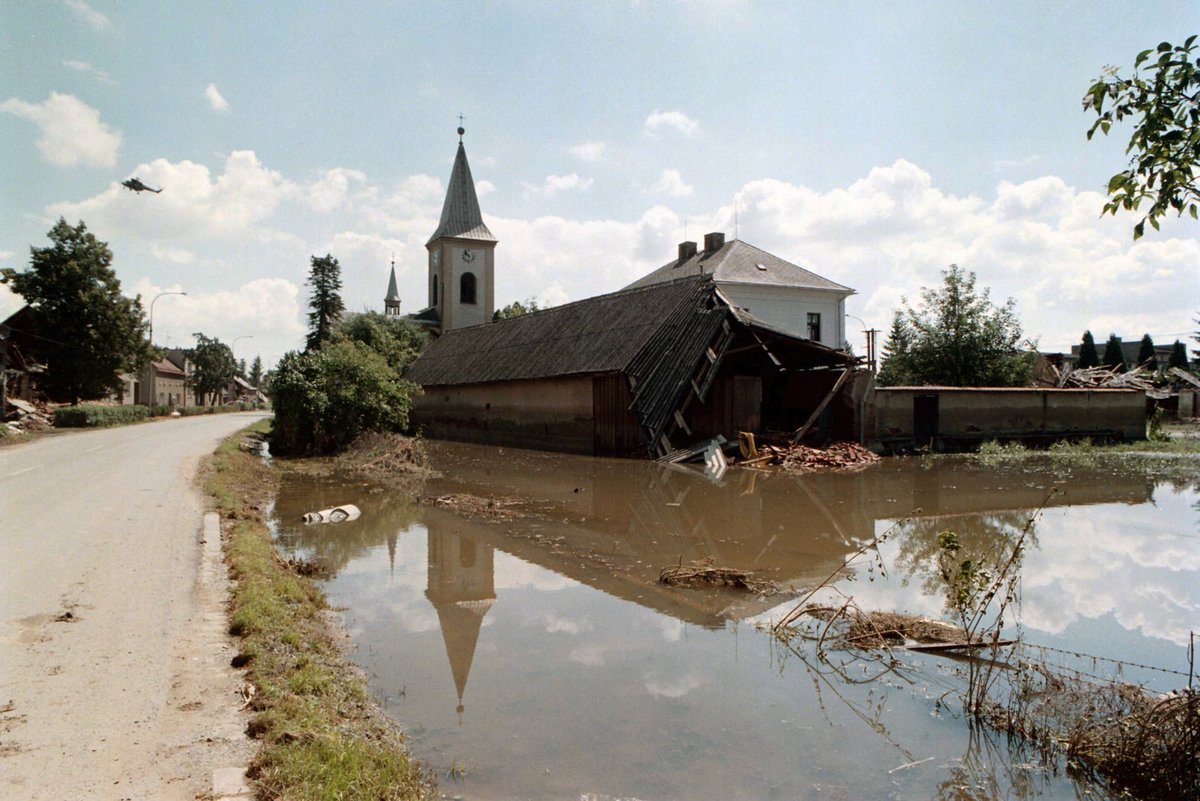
<point x="466" y="288"/>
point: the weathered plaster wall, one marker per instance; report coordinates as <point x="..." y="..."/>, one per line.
<point x="975" y="414"/>
<point x="546" y="414"/>
<point x="787" y="308"/>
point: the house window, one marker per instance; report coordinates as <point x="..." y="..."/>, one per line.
<point x="466" y="288"/>
<point x="433" y="290"/>
<point x="814" y="326"/>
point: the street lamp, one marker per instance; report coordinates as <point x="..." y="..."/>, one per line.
<point x="156" y="297"/>
<point x="235" y="341"/>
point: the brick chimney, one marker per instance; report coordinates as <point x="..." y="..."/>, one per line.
<point x="686" y="251"/>
<point x="714" y="241"/>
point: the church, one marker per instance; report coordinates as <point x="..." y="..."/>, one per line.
<point x="720" y="340"/>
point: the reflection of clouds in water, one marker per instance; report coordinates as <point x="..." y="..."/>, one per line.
<point x="513" y="573"/>
<point x="393" y="594"/>
<point x="671" y="629"/>
<point x="591" y="655"/>
<point x="552" y="623"/>
<point x="676" y="687"/>
<point x="1138" y="563"/>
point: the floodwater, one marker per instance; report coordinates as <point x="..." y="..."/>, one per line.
<point x="536" y="656"/>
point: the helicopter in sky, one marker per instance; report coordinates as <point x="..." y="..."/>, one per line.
<point x="135" y="185"/>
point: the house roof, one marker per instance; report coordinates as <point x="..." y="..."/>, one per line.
<point x="741" y="263"/>
<point x="461" y="217"/>
<point x="165" y="367"/>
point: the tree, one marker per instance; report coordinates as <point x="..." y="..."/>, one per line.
<point x="896" y="369"/>
<point x="87" y="331"/>
<point x="1146" y="357"/>
<point x="958" y="338"/>
<point x="1178" y="356"/>
<point x="1114" y="354"/>
<point x="325" y="278"/>
<point x="397" y="340"/>
<point x="213" y="367"/>
<point x="256" y="372"/>
<point x="323" y="399"/>
<point x="1164" y="101"/>
<point x="1088" y="356"/>
<point x="241" y="368"/>
<point x="516" y="309"/>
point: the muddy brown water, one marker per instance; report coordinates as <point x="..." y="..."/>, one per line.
<point x="534" y="655"/>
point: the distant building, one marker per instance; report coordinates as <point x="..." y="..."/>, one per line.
<point x="779" y="293"/>
<point x="391" y="301"/>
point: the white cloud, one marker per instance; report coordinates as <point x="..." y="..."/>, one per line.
<point x="671" y="183"/>
<point x="677" y="120"/>
<point x="215" y="100"/>
<point x="173" y="255"/>
<point x="85" y="67"/>
<point x="592" y="152"/>
<point x="559" y="183"/>
<point x="267" y="309"/>
<point x="71" y="130"/>
<point x="331" y="189"/>
<point x="88" y="14"/>
<point x="193" y="204"/>
<point x="484" y="188"/>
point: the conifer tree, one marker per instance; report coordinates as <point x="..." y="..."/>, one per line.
<point x="1114" y="356"/>
<point x="1088" y="357"/>
<point x="1146" y="357"/>
<point x="325" y="302"/>
<point x="1178" y="356"/>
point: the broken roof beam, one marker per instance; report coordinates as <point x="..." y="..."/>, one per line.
<point x="837" y="387"/>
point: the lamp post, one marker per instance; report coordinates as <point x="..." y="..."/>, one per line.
<point x="152" y="302"/>
<point x="235" y="341"/>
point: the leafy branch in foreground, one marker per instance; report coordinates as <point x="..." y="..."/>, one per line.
<point x="1163" y="97"/>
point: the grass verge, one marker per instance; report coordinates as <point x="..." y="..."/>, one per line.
<point x="321" y="735"/>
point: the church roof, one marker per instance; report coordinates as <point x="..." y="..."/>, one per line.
<point x="393" y="293"/>
<point x="461" y="217"/>
<point x="738" y="262"/>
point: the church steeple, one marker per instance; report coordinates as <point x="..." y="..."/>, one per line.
<point x="391" y="302"/>
<point x="461" y="255"/>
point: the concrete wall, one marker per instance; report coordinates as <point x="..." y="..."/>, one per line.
<point x="546" y="414"/>
<point x="787" y="308"/>
<point x="965" y="417"/>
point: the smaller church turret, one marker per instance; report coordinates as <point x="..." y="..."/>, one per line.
<point x="391" y="302"/>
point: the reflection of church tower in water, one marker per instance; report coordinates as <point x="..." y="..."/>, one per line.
<point x="461" y="586"/>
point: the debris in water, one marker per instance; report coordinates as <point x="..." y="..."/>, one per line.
<point x="704" y="572"/>
<point x="335" y="514"/>
<point x="806" y="459"/>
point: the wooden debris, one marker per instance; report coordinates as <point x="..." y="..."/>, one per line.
<point x="806" y="459"/>
<point x="1104" y="377"/>
<point x="705" y="573"/>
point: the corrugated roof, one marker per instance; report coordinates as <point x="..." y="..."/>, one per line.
<point x="598" y="335"/>
<point x="461" y="217"/>
<point x="741" y="263"/>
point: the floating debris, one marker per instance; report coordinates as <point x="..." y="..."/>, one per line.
<point x="335" y="514"/>
<point x="705" y="573"/>
<point x="843" y="456"/>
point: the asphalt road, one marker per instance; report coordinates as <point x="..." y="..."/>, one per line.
<point x="113" y="677"/>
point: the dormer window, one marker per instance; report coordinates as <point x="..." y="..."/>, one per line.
<point x="466" y="288"/>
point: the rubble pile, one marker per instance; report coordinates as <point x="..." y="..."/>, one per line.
<point x="21" y="416"/>
<point x="1103" y="377"/>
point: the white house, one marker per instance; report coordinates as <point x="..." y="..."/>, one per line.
<point x="777" y="292"/>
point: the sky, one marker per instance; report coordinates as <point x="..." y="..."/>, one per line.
<point x="873" y="143"/>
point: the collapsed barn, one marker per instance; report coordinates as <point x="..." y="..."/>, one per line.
<point x="640" y="372"/>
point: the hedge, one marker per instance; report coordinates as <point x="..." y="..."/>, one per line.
<point x="96" y="416"/>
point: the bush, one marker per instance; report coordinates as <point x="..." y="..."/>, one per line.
<point x="324" y="399"/>
<point x="96" y="416"/>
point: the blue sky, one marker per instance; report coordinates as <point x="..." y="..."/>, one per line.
<point x="874" y="143"/>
